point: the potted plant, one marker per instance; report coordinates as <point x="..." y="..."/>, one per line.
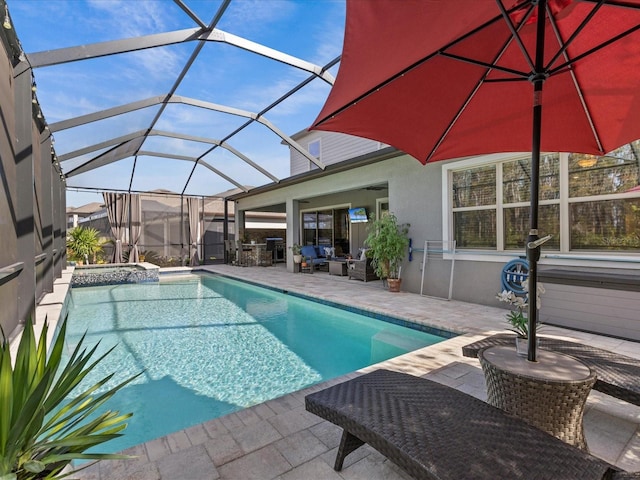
<point x="47" y="420"/>
<point x="295" y="250"/>
<point x="83" y="243"/>
<point x="388" y="243"/>
<point x="517" y="319"/>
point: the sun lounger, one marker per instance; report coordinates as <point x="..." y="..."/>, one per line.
<point x="617" y="375"/>
<point x="435" y="432"/>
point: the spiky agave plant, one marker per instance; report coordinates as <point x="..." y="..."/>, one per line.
<point x="43" y="428"/>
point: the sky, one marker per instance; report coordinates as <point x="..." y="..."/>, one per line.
<point x="311" y="30"/>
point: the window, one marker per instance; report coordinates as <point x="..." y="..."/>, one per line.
<point x="314" y="151"/>
<point x="474" y="207"/>
<point x="585" y="202"/>
<point x="382" y="206"/>
<point x="327" y="228"/>
<point x="604" y="209"/>
<point x="516" y="193"/>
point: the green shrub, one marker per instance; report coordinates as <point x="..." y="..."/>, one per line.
<point x="42" y="426"/>
<point x="388" y="243"/>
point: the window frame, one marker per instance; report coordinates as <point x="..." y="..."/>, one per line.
<point x="316" y="210"/>
<point x="499" y="254"/>
<point x="309" y="146"/>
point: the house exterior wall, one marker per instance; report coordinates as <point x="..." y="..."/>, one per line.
<point x="420" y="195"/>
<point x="334" y="148"/>
<point x="415" y="196"/>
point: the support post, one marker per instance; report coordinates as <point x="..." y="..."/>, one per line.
<point x="25" y="231"/>
<point x="533" y="253"/>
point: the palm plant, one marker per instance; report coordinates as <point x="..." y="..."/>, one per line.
<point x="83" y="242"/>
<point x="42" y="427"/>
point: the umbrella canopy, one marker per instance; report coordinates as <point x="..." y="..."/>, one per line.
<point x="447" y="79"/>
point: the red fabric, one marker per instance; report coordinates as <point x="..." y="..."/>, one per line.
<point x="414" y="111"/>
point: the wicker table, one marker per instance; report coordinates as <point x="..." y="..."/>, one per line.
<point x="617" y="375"/>
<point x="549" y="394"/>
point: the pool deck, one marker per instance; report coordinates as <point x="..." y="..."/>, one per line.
<point x="280" y="440"/>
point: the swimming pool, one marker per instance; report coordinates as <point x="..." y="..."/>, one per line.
<point x="210" y="345"/>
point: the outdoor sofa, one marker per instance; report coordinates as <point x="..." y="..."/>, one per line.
<point x="314" y="256"/>
<point x="436" y="432"/>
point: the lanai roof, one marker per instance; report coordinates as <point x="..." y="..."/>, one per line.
<point x="189" y="96"/>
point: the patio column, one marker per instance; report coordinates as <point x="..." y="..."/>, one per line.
<point x="293" y="229"/>
<point x="23" y="147"/>
<point x="59" y="224"/>
<point x="47" y="171"/>
<point x="166" y="235"/>
<point x="239" y="219"/>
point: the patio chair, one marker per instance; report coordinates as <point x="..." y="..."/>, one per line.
<point x="243" y="256"/>
<point x="266" y="255"/>
<point x="230" y="248"/>
<point x="436" y="432"/>
<point x="361" y="270"/>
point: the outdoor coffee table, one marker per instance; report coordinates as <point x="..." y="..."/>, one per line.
<point x="549" y="394"/>
<point x="338" y="267"/>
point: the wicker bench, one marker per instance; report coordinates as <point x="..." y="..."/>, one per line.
<point x="433" y="431"/>
<point x="617" y="375"/>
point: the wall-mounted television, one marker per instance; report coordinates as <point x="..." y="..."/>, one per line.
<point x="358" y="215"/>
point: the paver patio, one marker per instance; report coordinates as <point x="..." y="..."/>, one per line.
<point x="280" y="440"/>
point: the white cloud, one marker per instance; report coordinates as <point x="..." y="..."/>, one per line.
<point x="132" y="18"/>
<point x="127" y="19"/>
<point x="251" y="15"/>
<point x="329" y="37"/>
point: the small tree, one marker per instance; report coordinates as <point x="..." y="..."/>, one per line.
<point x="83" y="243"/>
<point x="388" y="244"/>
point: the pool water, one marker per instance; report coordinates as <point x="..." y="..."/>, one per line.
<point x="210" y="345"/>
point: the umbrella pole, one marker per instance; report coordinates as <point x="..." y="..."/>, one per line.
<point x="533" y="246"/>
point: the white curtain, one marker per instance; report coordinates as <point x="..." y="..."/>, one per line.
<point x="135" y="227"/>
<point x="194" y="229"/>
<point x="117" y="205"/>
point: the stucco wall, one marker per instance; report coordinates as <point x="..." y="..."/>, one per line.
<point x="415" y="196"/>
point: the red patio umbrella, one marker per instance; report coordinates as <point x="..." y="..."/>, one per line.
<point x="442" y="79"/>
